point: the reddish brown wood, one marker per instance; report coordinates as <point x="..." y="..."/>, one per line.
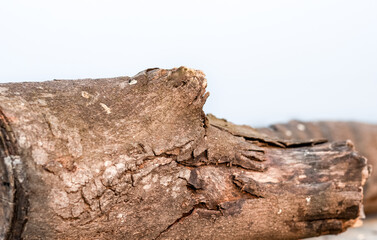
<point x="136" y="158"/>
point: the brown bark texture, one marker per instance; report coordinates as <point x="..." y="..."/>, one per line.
<point x="137" y="158"/>
<point x="363" y="135"/>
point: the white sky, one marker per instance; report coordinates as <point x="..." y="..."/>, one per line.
<point x="266" y="61"/>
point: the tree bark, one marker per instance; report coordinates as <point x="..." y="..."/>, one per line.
<point x="363" y="135"/>
<point x="136" y="158"/>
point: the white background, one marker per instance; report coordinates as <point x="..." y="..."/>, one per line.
<point x="266" y="61"/>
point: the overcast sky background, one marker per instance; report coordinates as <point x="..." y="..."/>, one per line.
<point x="265" y="61"/>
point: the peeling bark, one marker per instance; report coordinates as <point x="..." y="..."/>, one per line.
<point x="362" y="134"/>
<point x="136" y="158"/>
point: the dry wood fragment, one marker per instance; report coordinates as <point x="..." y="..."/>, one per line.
<point x="136" y="158"/>
<point x="363" y="135"/>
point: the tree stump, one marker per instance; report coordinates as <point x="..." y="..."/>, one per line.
<point x="136" y="158"/>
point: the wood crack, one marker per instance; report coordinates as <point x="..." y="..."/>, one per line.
<point x="184" y="215"/>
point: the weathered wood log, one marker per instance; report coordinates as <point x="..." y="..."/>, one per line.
<point x="136" y="158"/>
<point x="363" y="135"/>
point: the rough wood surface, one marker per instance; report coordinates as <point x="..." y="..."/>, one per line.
<point x="136" y="158"/>
<point x="363" y="135"/>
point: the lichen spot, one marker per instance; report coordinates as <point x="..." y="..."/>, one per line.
<point x="39" y="155"/>
<point x="155" y="178"/>
<point x="3" y="90"/>
<point x="122" y="85"/>
<point x="280" y="211"/>
<point x="288" y="133"/>
<point x="108" y="163"/>
<point x="85" y="94"/>
<point x="42" y="102"/>
<point x="106" y="108"/>
<point x="132" y="82"/>
<point x="165" y="180"/>
<point x="301" y="127"/>
<point x="110" y="172"/>
<point x="121" y="167"/>
<point x="308" y="200"/>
